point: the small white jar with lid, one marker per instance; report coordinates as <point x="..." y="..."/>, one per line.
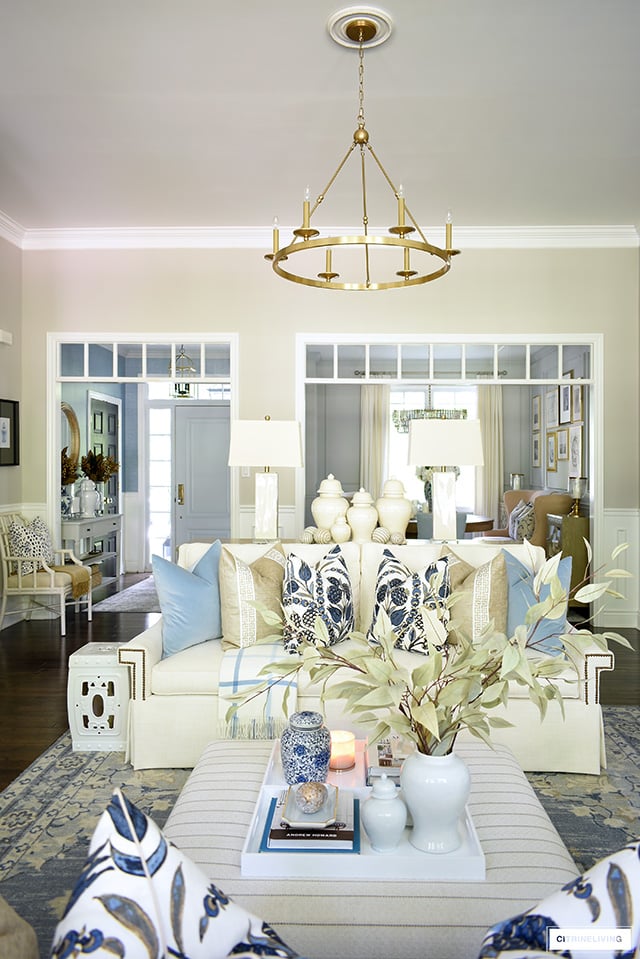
<point x="384" y="815"/>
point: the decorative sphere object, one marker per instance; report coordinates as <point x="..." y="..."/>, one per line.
<point x="310" y="797"/>
<point x="381" y="535"/>
<point x="322" y="536"/>
<point x="397" y="539"/>
<point x="308" y="535"/>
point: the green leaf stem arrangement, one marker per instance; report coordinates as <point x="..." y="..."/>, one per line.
<point x="457" y="686"/>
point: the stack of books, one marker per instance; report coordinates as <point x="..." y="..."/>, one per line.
<point x="343" y="835"/>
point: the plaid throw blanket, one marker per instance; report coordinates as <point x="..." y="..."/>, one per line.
<point x="264" y="717"/>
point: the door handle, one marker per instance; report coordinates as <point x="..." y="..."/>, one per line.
<point x="180" y="494"/>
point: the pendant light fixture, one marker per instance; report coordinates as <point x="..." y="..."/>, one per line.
<point x="365" y="260"/>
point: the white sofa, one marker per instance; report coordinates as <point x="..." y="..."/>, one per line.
<point x="174" y="701"/>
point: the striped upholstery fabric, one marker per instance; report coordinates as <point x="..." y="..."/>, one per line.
<point x="354" y="919"/>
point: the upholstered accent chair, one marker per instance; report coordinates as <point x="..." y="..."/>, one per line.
<point x="32" y="569"/>
<point x="544" y="502"/>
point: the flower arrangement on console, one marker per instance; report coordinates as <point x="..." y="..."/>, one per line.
<point x="98" y="467"/>
<point x="68" y="469"/>
<point x="454" y="687"/>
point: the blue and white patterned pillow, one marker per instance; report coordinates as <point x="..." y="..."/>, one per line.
<point x="32" y="539"/>
<point x="308" y="592"/>
<point x="605" y="898"/>
<point x="403" y="594"/>
<point x="138" y="896"/>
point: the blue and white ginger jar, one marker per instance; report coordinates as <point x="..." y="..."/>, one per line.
<point x="305" y="748"/>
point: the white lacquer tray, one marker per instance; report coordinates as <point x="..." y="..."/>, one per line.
<point x="465" y="864"/>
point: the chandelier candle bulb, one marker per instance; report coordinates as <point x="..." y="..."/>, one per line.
<point x="305" y="209"/>
<point x="276" y="235"/>
<point x="401" y="219"/>
<point x="343" y="749"/>
<point x="448" y="231"/>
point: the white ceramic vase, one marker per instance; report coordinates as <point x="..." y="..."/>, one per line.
<point x="362" y="516"/>
<point x="384" y="815"/>
<point x="329" y="503"/>
<point x="435" y="789"/>
<point x="394" y="509"/>
<point x="88" y="497"/>
<point x="341" y="531"/>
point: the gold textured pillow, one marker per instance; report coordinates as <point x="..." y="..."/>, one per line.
<point x="481" y="595"/>
<point x="243" y="583"/>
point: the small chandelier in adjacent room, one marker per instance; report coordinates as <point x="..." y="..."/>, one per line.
<point x="183" y="368"/>
<point x="366" y="261"/>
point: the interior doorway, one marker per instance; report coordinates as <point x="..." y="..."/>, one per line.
<point x="189" y="493"/>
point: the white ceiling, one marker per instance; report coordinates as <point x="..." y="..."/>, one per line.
<point x="169" y="114"/>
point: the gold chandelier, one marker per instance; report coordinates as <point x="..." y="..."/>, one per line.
<point x="360" y="256"/>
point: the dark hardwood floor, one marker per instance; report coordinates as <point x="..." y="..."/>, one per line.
<point x="33" y="675"/>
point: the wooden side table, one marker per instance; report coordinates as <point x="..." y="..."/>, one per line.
<point x="575" y="529"/>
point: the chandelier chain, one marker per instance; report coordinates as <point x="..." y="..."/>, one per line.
<point x="361" y="83"/>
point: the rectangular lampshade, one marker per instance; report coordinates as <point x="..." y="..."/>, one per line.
<point x="265" y="443"/>
<point x="434" y="442"/>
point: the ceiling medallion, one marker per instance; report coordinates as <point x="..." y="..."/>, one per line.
<point x="369" y="260"/>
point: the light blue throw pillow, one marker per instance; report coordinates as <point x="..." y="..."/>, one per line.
<point x="189" y="601"/>
<point x="521" y="597"/>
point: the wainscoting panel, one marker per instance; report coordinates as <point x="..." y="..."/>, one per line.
<point x="623" y="526"/>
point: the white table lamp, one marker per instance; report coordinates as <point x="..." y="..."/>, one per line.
<point x="265" y="443"/>
<point x="434" y="442"/>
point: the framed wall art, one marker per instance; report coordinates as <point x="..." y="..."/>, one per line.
<point x="575" y="451"/>
<point x="9" y="433"/>
<point x="551" y="409"/>
<point x="576" y="404"/>
<point x="535" y="413"/>
<point x="563" y="444"/>
<point x="552" y="456"/>
<point x="564" y="414"/>
<point x="535" y="449"/>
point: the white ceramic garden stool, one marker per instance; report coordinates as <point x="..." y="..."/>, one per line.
<point x="98" y="699"/>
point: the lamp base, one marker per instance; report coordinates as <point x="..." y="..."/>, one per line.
<point x="266" y="518"/>
<point x="444" y="505"/>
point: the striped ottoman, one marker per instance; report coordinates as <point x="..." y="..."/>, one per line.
<point x="376" y="919"/>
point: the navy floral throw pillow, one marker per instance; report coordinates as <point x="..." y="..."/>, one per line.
<point x="138" y="896"/>
<point x="601" y="905"/>
<point x="410" y="600"/>
<point x="309" y="592"/>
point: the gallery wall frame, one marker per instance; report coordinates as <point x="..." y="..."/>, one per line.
<point x="552" y="457"/>
<point x="562" y="437"/>
<point x="575" y="451"/>
<point x="9" y="433"/>
<point x="535" y="449"/>
<point x="535" y="412"/>
<point x="551" y="409"/>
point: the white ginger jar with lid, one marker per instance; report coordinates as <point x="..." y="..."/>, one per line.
<point x="394" y="509"/>
<point x="329" y="503"/>
<point x="384" y="815"/>
<point x="362" y="516"/>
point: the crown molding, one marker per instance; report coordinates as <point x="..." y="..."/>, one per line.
<point x="260" y="238"/>
<point x="10" y="230"/>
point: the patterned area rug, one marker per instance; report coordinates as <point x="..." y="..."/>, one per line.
<point x="48" y="814"/>
<point x="139" y="598"/>
<point x="596" y="815"/>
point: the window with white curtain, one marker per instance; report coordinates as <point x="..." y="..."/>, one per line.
<point x="435" y="397"/>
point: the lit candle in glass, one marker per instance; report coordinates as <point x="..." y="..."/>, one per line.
<point x="343" y="749"/>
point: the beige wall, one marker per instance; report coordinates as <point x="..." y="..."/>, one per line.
<point x="559" y="291"/>
<point x="10" y="372"/>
